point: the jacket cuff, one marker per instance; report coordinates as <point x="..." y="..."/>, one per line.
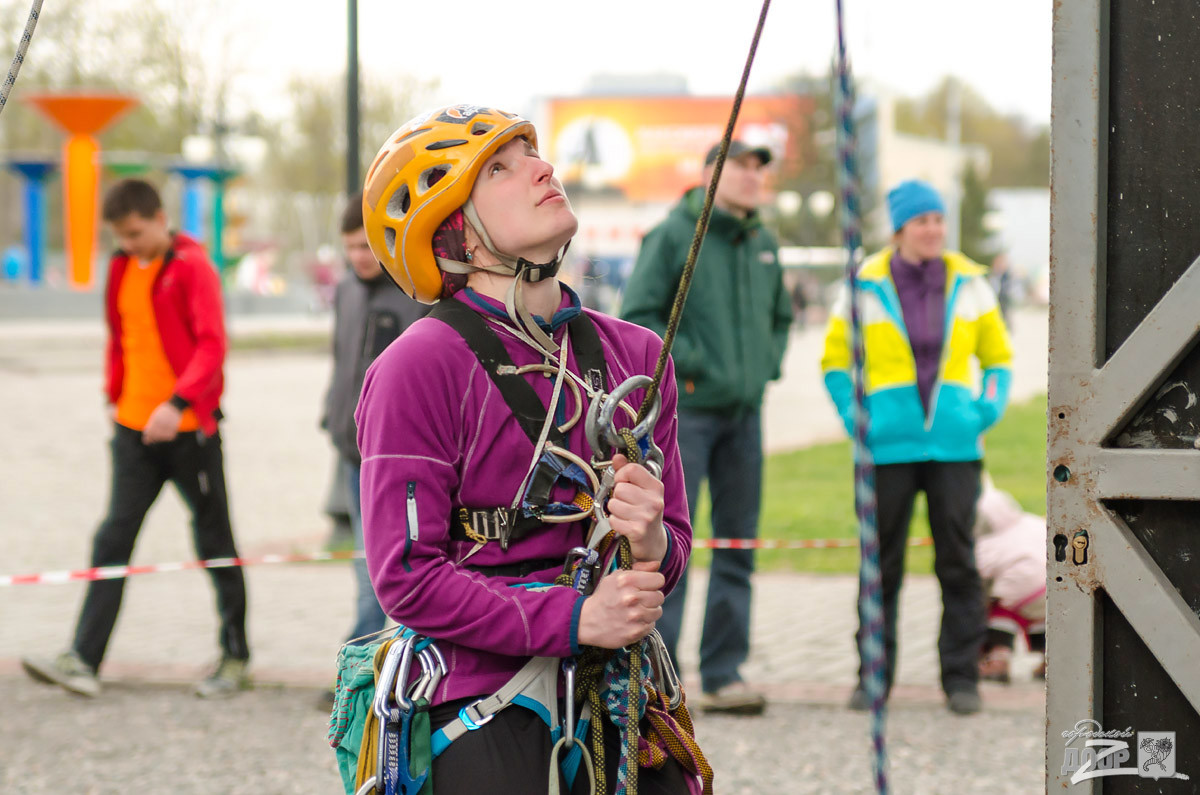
<point x="573" y="630"/>
<point x="179" y="403"/>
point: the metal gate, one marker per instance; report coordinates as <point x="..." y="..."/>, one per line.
<point x="1123" y="703"/>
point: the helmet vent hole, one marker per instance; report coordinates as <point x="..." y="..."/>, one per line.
<point x="480" y="127"/>
<point x="405" y="137"/>
<point x="399" y="203"/>
<point x="389" y="240"/>
<point x="430" y="177"/>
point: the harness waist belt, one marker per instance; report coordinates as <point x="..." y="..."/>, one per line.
<point x="521" y="569"/>
<point x="492" y="524"/>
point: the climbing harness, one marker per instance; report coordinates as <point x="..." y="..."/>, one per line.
<point x="22" y="47"/>
<point x="870" y="603"/>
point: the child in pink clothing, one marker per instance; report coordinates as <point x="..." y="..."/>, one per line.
<point x="1010" y="551"/>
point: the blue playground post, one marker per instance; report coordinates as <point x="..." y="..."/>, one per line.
<point x="34" y="173"/>
<point x="193" y="209"/>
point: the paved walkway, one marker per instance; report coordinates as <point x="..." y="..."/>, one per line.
<point x="53" y="484"/>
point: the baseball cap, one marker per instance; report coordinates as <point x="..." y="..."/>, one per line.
<point x="737" y="149"/>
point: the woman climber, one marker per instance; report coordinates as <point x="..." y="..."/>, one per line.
<point x="479" y="474"/>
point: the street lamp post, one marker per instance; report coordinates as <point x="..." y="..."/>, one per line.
<point x="353" y="178"/>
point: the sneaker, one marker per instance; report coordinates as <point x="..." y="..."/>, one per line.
<point x="67" y="671"/>
<point x="229" y="677"/>
<point x="964" y="702"/>
<point x="994" y="664"/>
<point x="735" y="698"/>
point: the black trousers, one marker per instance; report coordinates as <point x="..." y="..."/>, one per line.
<point x="951" y="490"/>
<point x="195" y="465"/>
<point x="511" y="756"/>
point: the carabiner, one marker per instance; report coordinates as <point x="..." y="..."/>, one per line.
<point x="392" y="677"/>
<point x="581" y="577"/>
<point x="603" y="410"/>
<point x="433" y="668"/>
<point x="568" y="669"/>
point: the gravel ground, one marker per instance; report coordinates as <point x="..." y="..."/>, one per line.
<point x="139" y="739"/>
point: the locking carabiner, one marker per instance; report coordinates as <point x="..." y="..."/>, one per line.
<point x="601" y="429"/>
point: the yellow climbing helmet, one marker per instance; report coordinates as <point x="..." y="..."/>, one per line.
<point x="424" y="172"/>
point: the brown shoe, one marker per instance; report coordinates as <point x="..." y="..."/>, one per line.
<point x="993" y="666"/>
<point x="735" y="698"/>
<point x="1039" y="672"/>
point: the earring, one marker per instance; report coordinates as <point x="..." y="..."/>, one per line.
<point x="470" y="255"/>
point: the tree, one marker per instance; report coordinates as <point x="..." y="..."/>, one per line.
<point x="151" y="51"/>
<point x="303" y="175"/>
<point x="1020" y="151"/>
<point x="816" y="166"/>
<point x="974" y="238"/>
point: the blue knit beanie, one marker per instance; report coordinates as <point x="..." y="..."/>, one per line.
<point x="912" y="198"/>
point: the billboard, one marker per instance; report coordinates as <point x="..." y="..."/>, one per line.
<point x="651" y="148"/>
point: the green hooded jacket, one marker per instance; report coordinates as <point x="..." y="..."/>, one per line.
<point x="735" y="323"/>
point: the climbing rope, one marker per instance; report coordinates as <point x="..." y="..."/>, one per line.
<point x="22" y="47"/>
<point x="870" y="600"/>
<point x="588" y="672"/>
<point x="689" y="266"/>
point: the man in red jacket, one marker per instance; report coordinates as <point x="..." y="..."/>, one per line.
<point x="166" y="349"/>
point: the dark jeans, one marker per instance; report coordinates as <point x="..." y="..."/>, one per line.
<point x="368" y="615"/>
<point x="951" y="489"/>
<point x="195" y="465"/>
<point x="726" y="450"/>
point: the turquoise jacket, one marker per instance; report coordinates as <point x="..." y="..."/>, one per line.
<point x="960" y="412"/>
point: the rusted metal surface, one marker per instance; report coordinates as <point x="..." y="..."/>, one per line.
<point x="1123" y="457"/>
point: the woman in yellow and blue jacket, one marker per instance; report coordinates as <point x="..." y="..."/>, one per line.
<point x="926" y="313"/>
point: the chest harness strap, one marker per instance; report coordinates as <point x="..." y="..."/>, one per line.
<point x="506" y="524"/>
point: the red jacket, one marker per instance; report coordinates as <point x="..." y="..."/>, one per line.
<point x="187" y="308"/>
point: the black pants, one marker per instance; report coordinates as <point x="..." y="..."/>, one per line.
<point x="510" y="755"/>
<point x="194" y="464"/>
<point x="951" y="489"/>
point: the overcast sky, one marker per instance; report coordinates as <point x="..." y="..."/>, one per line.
<point x="508" y="55"/>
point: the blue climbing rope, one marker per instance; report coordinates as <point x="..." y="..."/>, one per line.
<point x="870" y="591"/>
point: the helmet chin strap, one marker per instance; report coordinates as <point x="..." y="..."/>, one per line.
<point x="523" y="270"/>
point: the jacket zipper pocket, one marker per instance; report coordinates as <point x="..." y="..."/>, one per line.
<point x="413" y="524"/>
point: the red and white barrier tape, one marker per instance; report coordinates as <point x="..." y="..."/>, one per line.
<point x="807" y="543"/>
<point x="119" y="572"/>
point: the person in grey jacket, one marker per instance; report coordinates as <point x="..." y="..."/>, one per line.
<point x="369" y="314"/>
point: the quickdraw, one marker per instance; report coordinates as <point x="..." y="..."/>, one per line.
<point x="403" y="756"/>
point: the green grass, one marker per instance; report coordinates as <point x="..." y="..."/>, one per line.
<point x="280" y="342"/>
<point x="810" y="494"/>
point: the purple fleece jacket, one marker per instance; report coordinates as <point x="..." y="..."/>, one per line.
<point x="921" y="288"/>
<point x="435" y="434"/>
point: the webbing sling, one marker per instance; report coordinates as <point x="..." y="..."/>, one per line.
<point x="522" y="401"/>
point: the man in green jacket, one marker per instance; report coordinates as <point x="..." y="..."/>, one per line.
<point x="730" y="343"/>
